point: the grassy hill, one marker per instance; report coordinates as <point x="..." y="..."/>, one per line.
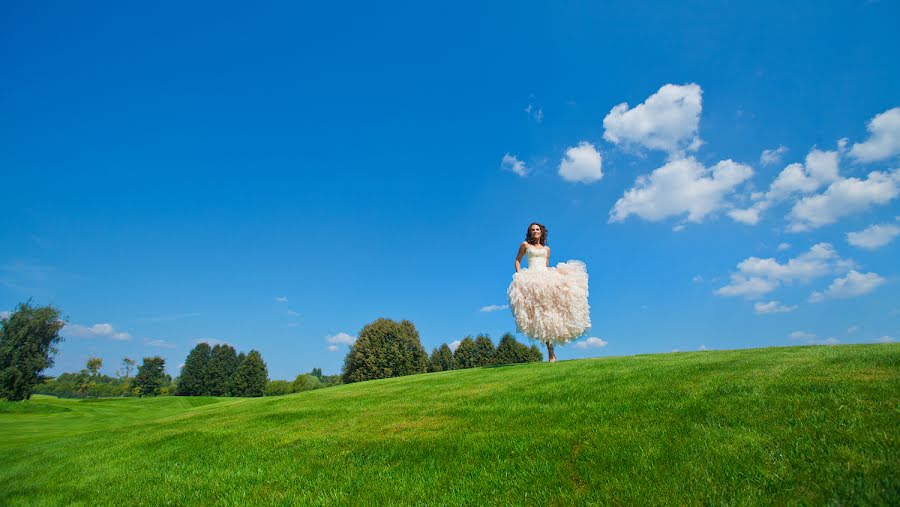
<point x="812" y="425"/>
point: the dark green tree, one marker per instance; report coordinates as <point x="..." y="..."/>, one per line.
<point x="151" y="376"/>
<point x="445" y="357"/>
<point x="383" y="349"/>
<point x="223" y="365"/>
<point x="434" y="361"/>
<point x="534" y="354"/>
<point x="509" y="351"/>
<point x="251" y="377"/>
<point x="28" y="339"/>
<point x="194" y="374"/>
<point x="317" y="372"/>
<point x="465" y="355"/>
<point x="484" y="350"/>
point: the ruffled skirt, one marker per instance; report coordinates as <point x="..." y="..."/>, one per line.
<point x="551" y="305"/>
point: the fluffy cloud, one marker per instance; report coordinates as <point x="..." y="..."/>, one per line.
<point x="341" y="339"/>
<point x="5" y="314"/>
<point x="159" y="343"/>
<point x="681" y="186"/>
<point x="493" y="308"/>
<point x="842" y="198"/>
<point x="802" y="335"/>
<point x="769" y="157"/>
<point x="852" y="285"/>
<point x="582" y="163"/>
<point x="668" y="120"/>
<point x="756" y="277"/>
<point x="512" y="163"/>
<point x="591" y="343"/>
<point x="772" y="307"/>
<point x="97" y="330"/>
<point x="281" y="299"/>
<point x="884" y="139"/>
<point x="454" y="345"/>
<point x="886" y="339"/>
<point x="873" y="236"/>
<point x="333" y="348"/>
<point x="783" y="246"/>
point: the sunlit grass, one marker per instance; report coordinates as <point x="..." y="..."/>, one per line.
<point x="777" y="425"/>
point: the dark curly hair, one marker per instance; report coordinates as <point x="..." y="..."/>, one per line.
<point x="531" y="240"/>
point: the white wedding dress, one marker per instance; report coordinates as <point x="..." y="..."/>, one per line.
<point x="550" y="304"/>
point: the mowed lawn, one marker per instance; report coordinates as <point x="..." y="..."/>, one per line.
<point x="811" y="425"/>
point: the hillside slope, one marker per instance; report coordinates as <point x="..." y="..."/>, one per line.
<point x="811" y="424"/>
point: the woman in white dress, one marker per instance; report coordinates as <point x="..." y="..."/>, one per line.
<point x="550" y="304"/>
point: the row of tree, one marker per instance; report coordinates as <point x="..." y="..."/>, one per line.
<point x="386" y="348"/>
<point x="221" y="371"/>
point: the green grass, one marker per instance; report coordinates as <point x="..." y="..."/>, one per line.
<point x="807" y="425"/>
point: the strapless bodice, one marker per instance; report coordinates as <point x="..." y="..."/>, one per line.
<point x="536" y="257"/>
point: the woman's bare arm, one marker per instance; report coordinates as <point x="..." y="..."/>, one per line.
<point x="548" y="256"/>
<point x="519" y="257"/>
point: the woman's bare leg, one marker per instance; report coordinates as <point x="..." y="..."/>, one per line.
<point x="550" y="352"/>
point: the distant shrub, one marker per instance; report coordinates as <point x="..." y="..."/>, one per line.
<point x="278" y="388"/>
<point x="305" y="382"/>
<point x="383" y="349"/>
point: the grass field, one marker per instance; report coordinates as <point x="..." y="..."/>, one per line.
<point x="808" y="425"/>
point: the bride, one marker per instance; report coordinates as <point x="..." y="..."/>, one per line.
<point x="550" y="304"/>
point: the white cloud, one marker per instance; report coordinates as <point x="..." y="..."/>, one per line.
<point x="874" y="236"/>
<point x="97" y="330"/>
<point x="852" y="285"/>
<point x="884" y="139"/>
<point x="801" y="335"/>
<point x="159" y="343"/>
<point x="702" y="347"/>
<point x="769" y="157"/>
<point x="292" y="313"/>
<point x="772" y="307"/>
<point x="829" y="341"/>
<point x="756" y="276"/>
<point x="852" y="329"/>
<point x="681" y="186"/>
<point x="333" y="348"/>
<point x="668" y="120"/>
<point x="512" y="163"/>
<point x="536" y="113"/>
<point x="582" y="163"/>
<point x="454" y="345"/>
<point x="697" y="279"/>
<point x="493" y="308"/>
<point x="886" y="339"/>
<point x="842" y="198"/>
<point x="591" y="343"/>
<point x="341" y="339"/>
<point x="5" y="314"/>
<point x="281" y="299"/>
<point x="782" y="247"/>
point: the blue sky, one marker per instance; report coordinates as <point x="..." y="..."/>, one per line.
<point x="272" y="176"/>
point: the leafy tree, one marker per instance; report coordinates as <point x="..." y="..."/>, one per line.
<point x="252" y="376"/>
<point x="465" y="355"/>
<point x="534" y="354"/>
<point x="331" y="380"/>
<point x="28" y="339"/>
<point x="194" y="374"/>
<point x="445" y="358"/>
<point x="223" y="365"/>
<point x="278" y="388"/>
<point x="383" y="349"/>
<point x="127" y="367"/>
<point x="151" y="376"/>
<point x="484" y="350"/>
<point x="434" y="361"/>
<point x="93" y="365"/>
<point x="305" y="382"/>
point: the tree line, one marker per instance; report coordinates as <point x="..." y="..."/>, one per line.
<point x="387" y="348"/>
<point x="221" y="371"/>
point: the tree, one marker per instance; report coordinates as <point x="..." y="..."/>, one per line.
<point x="434" y="361"/>
<point x="465" y="354"/>
<point x="127" y="366"/>
<point x="445" y="358"/>
<point x="278" y="388"/>
<point x="93" y="366"/>
<point x="251" y="377"/>
<point x="509" y="351"/>
<point x="385" y="348"/>
<point x="534" y="354"/>
<point x="28" y="339"/>
<point x="317" y="372"/>
<point x="484" y="350"/>
<point x="194" y="374"/>
<point x="223" y="365"/>
<point x="151" y="376"/>
<point x="305" y="382"/>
